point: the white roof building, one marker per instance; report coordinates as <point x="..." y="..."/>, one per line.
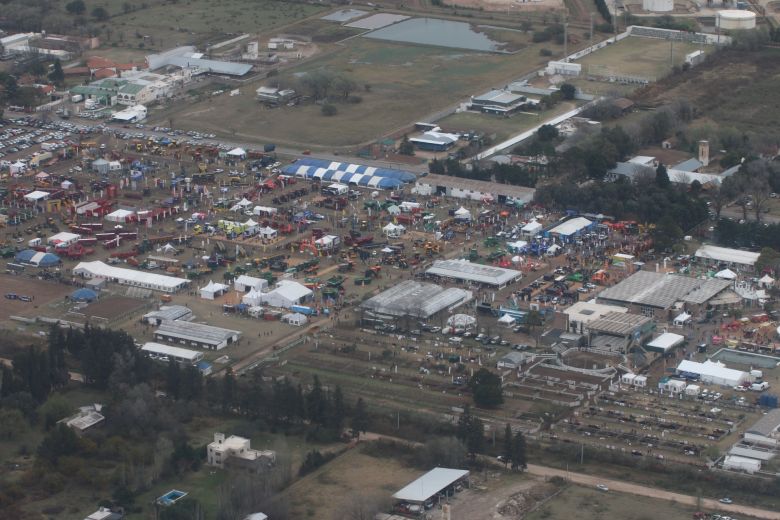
<point x="196" y="334"/>
<point x="713" y="372"/>
<point x="286" y="294"/>
<point x="62" y="239"/>
<point x="245" y="282"/>
<point x="737" y="463"/>
<point x="35" y="196"/>
<point x="665" y="342"/>
<point x="470" y="272"/>
<point x="146" y="280"/>
<point x="120" y="215"/>
<point x="736" y="257"/>
<point x="571" y="227"/>
<point x="582" y="313"/>
<point x="430" y="484"/>
<point x="182" y="355"/>
<point x="234" y="447"/>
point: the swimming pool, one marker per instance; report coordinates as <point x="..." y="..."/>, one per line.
<point x="171" y="497"/>
<point x="745" y="358"/>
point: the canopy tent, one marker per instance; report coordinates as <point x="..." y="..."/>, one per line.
<point x="766" y="281"/>
<point x="244" y="202"/>
<point x="239" y="153"/>
<point x="83" y="295"/>
<point x="253" y="297"/>
<point x="42" y="176"/>
<point x="532" y="228"/>
<point x="507" y="320"/>
<point x="17" y="168"/>
<point x="388" y="250"/>
<point x="327" y="242"/>
<point x="66" y="185"/>
<point x="461" y="320"/>
<point x="517" y="259"/>
<point x="264" y="210"/>
<point x="726" y="274"/>
<point x="251" y="226"/>
<point x="168" y="249"/>
<point x="517" y="246"/>
<point x="393" y="230"/>
<point x="295" y="318"/>
<point x="36" y="196"/>
<point x="553" y="250"/>
<point x="120" y="215"/>
<point x="682" y="319"/>
<point x="393" y="209"/>
<point x="212" y="290"/>
<point x="462" y="213"/>
<point x="268" y="232"/>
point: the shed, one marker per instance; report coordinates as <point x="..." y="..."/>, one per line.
<point x="674" y="386"/>
<point x="426" y="487"/>
<point x="295" y="318"/>
<point x="737" y="463"/>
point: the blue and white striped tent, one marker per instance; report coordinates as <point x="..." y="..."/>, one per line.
<point x="349" y="173"/>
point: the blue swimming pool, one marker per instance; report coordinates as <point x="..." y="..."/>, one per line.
<point x="171" y="497"/>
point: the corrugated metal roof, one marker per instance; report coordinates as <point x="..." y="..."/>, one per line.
<point x="430" y="484"/>
<point x="662" y="290"/>
<point x="618" y="323"/>
<point x="217" y="67"/>
<point x="418" y="299"/>
<point x="465" y="270"/>
<point x="199" y="332"/>
<point x="766" y="424"/>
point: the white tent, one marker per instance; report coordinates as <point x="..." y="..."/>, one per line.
<point x="766" y="281"/>
<point x="212" y="290"/>
<point x="268" y="232"/>
<point x="532" y="228"/>
<point x="516" y="247"/>
<point x="462" y="213"/>
<point x="461" y="320"/>
<point x="66" y="185"/>
<point x="120" y="215"/>
<point x="36" y="195"/>
<point x="42" y="176"/>
<point x="517" y="259"/>
<point x="286" y="294"/>
<point x="388" y="250"/>
<point x="553" y="249"/>
<point x="295" y="318"/>
<point x="507" y="320"/>
<point x="167" y="249"/>
<point x="682" y="319"/>
<point x="327" y="242"/>
<point x="252" y="227"/>
<point x="18" y="168"/>
<point x="244" y="283"/>
<point x="238" y="153"/>
<point x="393" y="230"/>
<point x="726" y="274"/>
<point x="260" y="210"/>
<point x="253" y="297"/>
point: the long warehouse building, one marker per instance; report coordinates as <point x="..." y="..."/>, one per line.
<point x="122" y="276"/>
<point x="196" y="334"/>
<point x="466" y="271"/>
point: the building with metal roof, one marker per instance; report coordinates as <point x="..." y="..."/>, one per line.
<point x="431" y="484"/>
<point x="434" y="141"/>
<point x="581" y="314"/>
<point x="745" y="260"/>
<point x="689" y="165"/>
<point x="444" y="185"/>
<point x="196" y="334"/>
<point x="621" y="324"/>
<point x="145" y="280"/>
<point x="498" y="102"/>
<point x="415" y="299"/>
<point x="665" y="342"/>
<point x="186" y="57"/>
<point x="168" y="313"/>
<point x="653" y="294"/>
<point x="569" y="229"/>
<point x="167" y="352"/>
<point x="466" y="271"/>
<point x="349" y="173"/>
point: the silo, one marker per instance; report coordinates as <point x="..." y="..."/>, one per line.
<point x="735" y="19"/>
<point x="658" y="6"/>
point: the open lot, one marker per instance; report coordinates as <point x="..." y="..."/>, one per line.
<point x="591" y="504"/>
<point x="500" y="127"/>
<point x="161" y="26"/>
<point x="42" y="292"/>
<point x="636" y="56"/>
<point x="406" y="83"/>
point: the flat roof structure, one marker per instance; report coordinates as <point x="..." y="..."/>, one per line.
<point x="146" y="280"/>
<point x="767" y="424"/>
<point x="619" y="324"/>
<point x="470" y="272"/>
<point x="498" y="97"/>
<point x="713" y="372"/>
<point x="417" y="299"/>
<point x="665" y="342"/>
<point x="728" y="255"/>
<point x="661" y="290"/>
<point x="168" y="313"/>
<point x="430" y="484"/>
<point x="571" y="226"/>
<point x="752" y="452"/>
<point x="493" y="188"/>
<point x="179" y="354"/>
<point x="586" y="312"/>
<point x="197" y="334"/>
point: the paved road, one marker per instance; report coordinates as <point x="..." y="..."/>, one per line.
<point x="646" y="491"/>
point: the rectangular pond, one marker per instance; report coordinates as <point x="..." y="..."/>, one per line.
<point x="439" y="33"/>
<point x="745" y="358"/>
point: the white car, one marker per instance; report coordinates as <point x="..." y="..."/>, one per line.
<point x="602" y="487"/>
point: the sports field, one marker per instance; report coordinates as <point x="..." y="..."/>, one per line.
<point x="637" y="56"/>
<point x="406" y="83"/>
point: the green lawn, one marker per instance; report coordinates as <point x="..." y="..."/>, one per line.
<point x="407" y="83"/>
<point x="501" y="127"/>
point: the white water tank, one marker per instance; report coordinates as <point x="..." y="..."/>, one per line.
<point x="736" y="19"/>
<point x="658" y="6"/>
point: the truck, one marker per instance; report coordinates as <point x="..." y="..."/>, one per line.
<point x="77" y="98"/>
<point x="759" y="387"/>
<point x="303" y="309"/>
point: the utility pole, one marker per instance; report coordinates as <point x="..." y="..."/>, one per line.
<point x="565" y="40"/>
<point x="671" y="54"/>
<point x="591" y="30"/>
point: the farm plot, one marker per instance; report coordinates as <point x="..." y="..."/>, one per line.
<point x="398" y="84"/>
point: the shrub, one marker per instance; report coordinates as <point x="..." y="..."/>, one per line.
<point x="329" y="110"/>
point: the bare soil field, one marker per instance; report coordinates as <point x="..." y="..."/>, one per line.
<point x="42" y="292"/>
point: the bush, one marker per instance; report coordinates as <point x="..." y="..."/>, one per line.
<point x="354" y="100"/>
<point x="329" y="110"/>
<point x="545" y="52"/>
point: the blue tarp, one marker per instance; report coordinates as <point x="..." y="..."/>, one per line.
<point x="83" y="295"/>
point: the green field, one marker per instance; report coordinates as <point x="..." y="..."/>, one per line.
<point x="406" y="83"/>
<point x="590" y="504"/>
<point x="182" y="23"/>
<point x="636" y="56"/>
<point x="499" y="127"/>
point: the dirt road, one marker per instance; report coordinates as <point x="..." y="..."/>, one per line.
<point x="635" y="489"/>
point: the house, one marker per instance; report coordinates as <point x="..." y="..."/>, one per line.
<point x="235" y="452"/>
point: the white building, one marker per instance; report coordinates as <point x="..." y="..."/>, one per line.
<point x="582" y="313"/>
<point x="745" y="260"/>
<point x="145" y="280"/>
<point x="245" y="283"/>
<point x="63" y="239"/>
<point x="563" y="68"/>
<point x="212" y="290"/>
<point x="737" y="463"/>
<point x="133" y="114"/>
<point x="286" y="294"/>
<point x="167" y="352"/>
<point x="236" y="451"/>
<point x="764" y="432"/>
<point x="713" y="372"/>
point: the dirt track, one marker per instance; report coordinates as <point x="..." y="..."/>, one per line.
<point x="645" y="491"/>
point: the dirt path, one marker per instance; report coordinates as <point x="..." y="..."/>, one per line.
<point x="635" y="489"/>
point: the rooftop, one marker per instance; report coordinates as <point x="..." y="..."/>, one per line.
<point x="767" y="424"/>
<point x="418" y="299"/>
<point x="619" y="324"/>
<point x="661" y="290"/>
<point x="666" y="341"/>
<point x="588" y="311"/>
<point x="167" y="350"/>
<point x="725" y="254"/>
<point x="103" y="270"/>
<point x="199" y="332"/>
<point x="430" y="484"/>
<point x="465" y="270"/>
<point x="493" y="188"/>
<point x="571" y="226"/>
<point x="498" y="97"/>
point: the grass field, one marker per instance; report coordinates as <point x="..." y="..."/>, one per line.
<point x="590" y="504"/>
<point x="407" y="83"/>
<point x="181" y="23"/>
<point x="639" y="57"/>
<point x="500" y="127"/>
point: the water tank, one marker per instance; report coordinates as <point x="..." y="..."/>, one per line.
<point x="734" y="19"/>
<point x="658" y="6"/>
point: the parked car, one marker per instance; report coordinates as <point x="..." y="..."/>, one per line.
<point x="602" y="487"/>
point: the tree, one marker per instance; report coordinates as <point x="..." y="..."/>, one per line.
<point x="360" y="421"/>
<point x="519" y="460"/>
<point x="54" y="409"/>
<point x="100" y="14"/>
<point x="662" y="177"/>
<point x="228" y="389"/>
<point x="406" y="147"/>
<point x="547" y="133"/>
<point x="338" y="412"/>
<point x="57" y="76"/>
<point x="316" y="404"/>
<point x="76" y="7"/>
<point x="329" y="110"/>
<point x="568" y="91"/>
<point x="59" y="442"/>
<point x="173" y="379"/>
<point x="666" y="233"/>
<point x="475" y="442"/>
<point x="486" y="389"/>
<point x="768" y="261"/>
<point x="508" y="447"/>
<point x="12" y="424"/>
